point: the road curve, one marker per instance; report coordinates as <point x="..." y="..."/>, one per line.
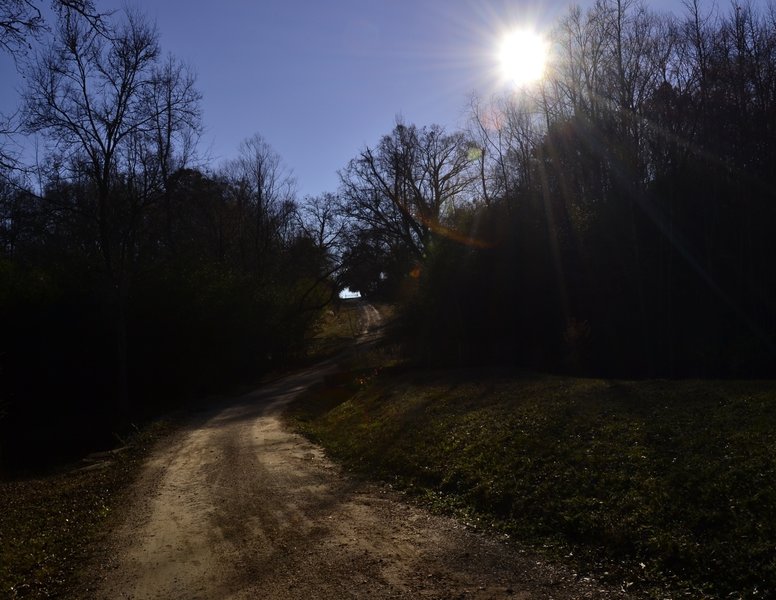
<point x="236" y="506"/>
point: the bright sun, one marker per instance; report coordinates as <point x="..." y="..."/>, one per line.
<point x="522" y="56"/>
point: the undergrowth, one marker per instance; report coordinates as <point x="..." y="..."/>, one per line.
<point x="50" y="523"/>
<point x="652" y="485"/>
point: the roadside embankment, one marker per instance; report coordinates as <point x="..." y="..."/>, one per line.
<point x="662" y="485"/>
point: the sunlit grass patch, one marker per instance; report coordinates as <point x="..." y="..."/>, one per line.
<point x="650" y="483"/>
<point x="340" y="322"/>
<point x="338" y="326"/>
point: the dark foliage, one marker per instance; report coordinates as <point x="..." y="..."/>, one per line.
<point x="132" y="282"/>
<point x="201" y="314"/>
<point x="619" y="221"/>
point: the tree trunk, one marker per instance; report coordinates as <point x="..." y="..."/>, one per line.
<point x="122" y="357"/>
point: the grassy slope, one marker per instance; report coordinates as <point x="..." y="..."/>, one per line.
<point x="339" y="327"/>
<point x="652" y="483"/>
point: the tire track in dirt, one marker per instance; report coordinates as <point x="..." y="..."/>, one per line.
<point x="235" y="506"/>
<point x="370" y="318"/>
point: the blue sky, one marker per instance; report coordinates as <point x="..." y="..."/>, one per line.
<point x="320" y="79"/>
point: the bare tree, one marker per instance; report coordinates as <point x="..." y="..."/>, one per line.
<point x="322" y="220"/>
<point x="402" y="189"/>
<point x="20" y="21"/>
<point x="21" y="24"/>
<point x="264" y="189"/>
<point x="507" y="131"/>
<point x="581" y="40"/>
<point x="174" y="101"/>
<point x="96" y="94"/>
<point x="87" y="95"/>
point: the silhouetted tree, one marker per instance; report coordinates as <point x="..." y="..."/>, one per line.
<point x="322" y="220"/>
<point x="632" y="191"/>
<point x="398" y="194"/>
<point x="263" y="190"/>
<point x="101" y="97"/>
<point x="22" y="21"/>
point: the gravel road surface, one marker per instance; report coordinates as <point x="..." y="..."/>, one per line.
<point x="235" y="506"/>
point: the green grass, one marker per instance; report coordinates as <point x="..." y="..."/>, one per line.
<point x="340" y="326"/>
<point x="652" y="485"/>
<point x="49" y="524"/>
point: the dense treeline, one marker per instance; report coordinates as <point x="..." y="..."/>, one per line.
<point x="131" y="276"/>
<point x="616" y="219"/>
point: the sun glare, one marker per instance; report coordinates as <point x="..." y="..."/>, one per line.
<point x="522" y="56"/>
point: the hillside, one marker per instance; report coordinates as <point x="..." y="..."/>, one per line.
<point x="653" y="485"/>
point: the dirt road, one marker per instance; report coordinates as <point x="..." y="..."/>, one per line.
<point x="370" y="318"/>
<point x="236" y="506"/>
